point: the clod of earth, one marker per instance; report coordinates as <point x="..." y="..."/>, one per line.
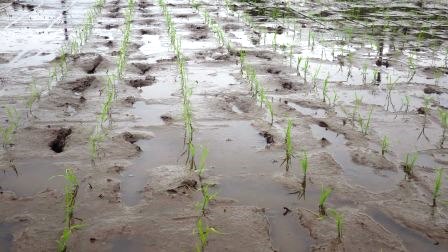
<point x="138" y="83"/>
<point x="88" y="61"/>
<point x="58" y="144"/>
<point x="80" y="85"/>
<point x="268" y="136"/>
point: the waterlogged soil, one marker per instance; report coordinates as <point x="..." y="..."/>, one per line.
<point x="139" y="195"/>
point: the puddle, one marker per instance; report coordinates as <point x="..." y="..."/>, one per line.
<point x="427" y="161"/>
<point x="242" y="39"/>
<point x="126" y="244"/>
<point x="6" y="236"/>
<point x="412" y="239"/>
<point x="150" y="114"/>
<point x="39" y="171"/>
<point x="244" y="168"/>
<point x="317" y="113"/>
<point x="360" y="174"/>
<point x="238" y="158"/>
<point x="154" y="45"/>
<point x="213" y="78"/>
<point x="164" y="149"/>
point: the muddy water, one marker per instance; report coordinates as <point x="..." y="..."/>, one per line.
<point x="239" y="163"/>
<point x="241" y="167"/>
<point x="45" y="172"/>
<point x="359" y="174"/>
<point x="411" y="238"/>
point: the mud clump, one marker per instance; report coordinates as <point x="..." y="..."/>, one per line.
<point x="138" y="83"/>
<point x="130" y="100"/>
<point x="148" y="32"/>
<point x="80" y="85"/>
<point x="273" y="71"/>
<point x="288" y="85"/>
<point x="142" y="67"/>
<point x="109" y="43"/>
<point x="421" y="111"/>
<point x="129" y="137"/>
<point x="433" y="90"/>
<point x="58" y="144"/>
<point x="111" y="26"/>
<point x="268" y="136"/>
<point x="166" y="119"/>
<point x="323" y="124"/>
<point x="88" y="61"/>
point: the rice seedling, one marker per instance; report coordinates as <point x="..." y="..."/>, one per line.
<point x="305" y="68"/>
<point x="405" y="103"/>
<point x="339" y="219"/>
<point x="8" y="131"/>
<point x="324" y="194"/>
<point x="438" y="73"/>
<point x="443" y="114"/>
<point x="95" y="139"/>
<point x="122" y="58"/>
<point x="270" y="109"/>
<point x="426" y="111"/>
<point x="304" y="164"/>
<point x="34" y="96"/>
<point x="288" y="147"/>
<point x="71" y="191"/>
<point x="385" y="145"/>
<point x="274" y="42"/>
<point x="364" y="73"/>
<point x="203" y="231"/>
<point x="355" y="113"/>
<point x="314" y="78"/>
<point x="389" y="88"/>
<point x="201" y="168"/>
<point x="206" y="198"/>
<point x="365" y="123"/>
<point x="409" y="164"/>
<point x="299" y="59"/>
<point x="376" y="76"/>
<point x="335" y="98"/>
<point x="325" y="91"/>
<point x="437" y="185"/>
<point x="412" y="68"/>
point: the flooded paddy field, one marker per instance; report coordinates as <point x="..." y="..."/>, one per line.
<point x="166" y="125"/>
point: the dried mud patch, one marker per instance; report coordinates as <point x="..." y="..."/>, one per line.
<point x="360" y="233"/>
